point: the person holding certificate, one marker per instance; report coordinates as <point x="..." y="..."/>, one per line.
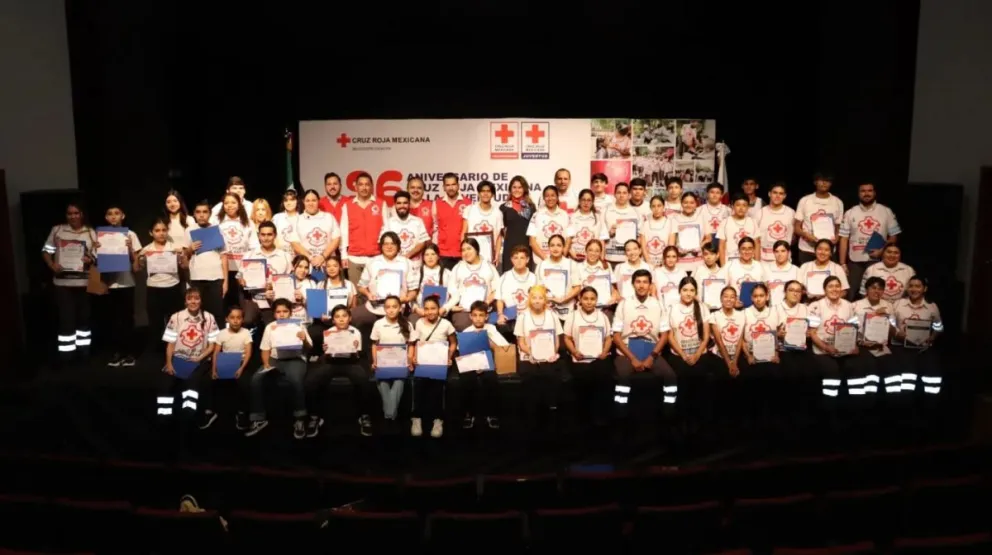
<point x="384" y="275"/>
<point x="317" y="233"/>
<point x="560" y="276"/>
<point x="640" y="331"/>
<point x="485" y="222"/>
<point x="814" y="272"/>
<point x="207" y="268"/>
<point x="432" y="274"/>
<point x="690" y="230"/>
<point x="761" y="371"/>
<point x="232" y="339"/>
<point x="511" y="291"/>
<point x="118" y="304"/>
<point x="339" y="292"/>
<point x="393" y="346"/>
<point x="584" y="225"/>
<point x="711" y="278"/>
<point x="239" y="238"/>
<point x="795" y="358"/>
<point x="436" y="347"/>
<point x="548" y="220"/>
<point x="738" y="226"/>
<point x="164" y="290"/>
<point x="818" y="216"/>
<point x="283" y="345"/>
<point x="595" y="272"/>
<point x="667" y="277"/>
<point x="657" y="233"/>
<point x="188" y="337"/>
<point x="588" y="339"/>
<point x="623" y="273"/>
<point x="835" y="345"/>
<point x="622" y="222"/>
<point x="538" y="332"/>
<point x="688" y="335"/>
<point x="472" y="279"/>
<point x="780" y="271"/>
<point x="480" y="388"/>
<point x="876" y="319"/>
<point x="68" y="253"/>
<point x="918" y="324"/>
<point x="258" y="308"/>
<point x="342" y="348"/>
<point x="744" y="268"/>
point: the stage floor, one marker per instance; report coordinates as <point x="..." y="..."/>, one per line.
<point x="109" y="412"/>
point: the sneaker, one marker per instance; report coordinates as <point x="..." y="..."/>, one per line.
<point x="188" y="504"/>
<point x="314" y="358"/>
<point x="493" y="422"/>
<point x="206" y="419"/>
<point x="256" y="426"/>
<point x="468" y="423"/>
<point x="115" y="360"/>
<point x="241" y="421"/>
<point x="416" y="429"/>
<point x="128" y="361"/>
<point x="313" y="426"/>
<point x="365" y="425"/>
<point x="299" y="429"/>
<point x="438" y="429"/>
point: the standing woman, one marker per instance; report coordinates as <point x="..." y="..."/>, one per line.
<point x="919" y="360"/>
<point x="688" y="218"/>
<point x="340" y="292"/>
<point x="178" y="217"/>
<point x="549" y="220"/>
<point x="584" y="225"/>
<point x="745" y="268"/>
<point x="656" y="234"/>
<point x="74" y="236"/>
<point x="593" y="268"/>
<point x="164" y="291"/>
<point x="260" y="212"/>
<point x="551" y="267"/>
<point x="517" y="212"/>
<point x="317" y="234"/>
<point x="472" y="279"/>
<point x="285" y="221"/>
<point x="710" y="271"/>
<point x="620" y="212"/>
<point x="239" y="238"/>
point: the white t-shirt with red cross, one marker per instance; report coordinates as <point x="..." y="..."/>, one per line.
<point x="759" y="321"/>
<point x="315" y="231"/>
<point x="623" y="275"/>
<point x="656" y="234"/>
<point x="191" y="334"/>
<point x="411" y="232"/>
<point x="896" y="279"/>
<point x="480" y="221"/>
<point x="528" y="322"/>
<point x="812" y="206"/>
<point x="775" y="225"/>
<point x="776" y="277"/>
<point x="860" y="223"/>
<point x="640" y="319"/>
<point x="824" y="317"/>
<point x="545" y="224"/>
<point x="579" y="319"/>
<point x="512" y="288"/>
<point x="238" y="241"/>
<point x="731" y="329"/>
<point x="666" y="284"/>
<point x="583" y="228"/>
<point x="733" y="230"/>
<point x="714" y="216"/>
<point x="685" y="326"/>
<point x="739" y="272"/>
<point x="904" y="309"/>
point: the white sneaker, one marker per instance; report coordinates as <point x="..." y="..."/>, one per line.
<point x="438" y="428"/>
<point x="416" y="429"/>
<point x="256" y="426"/>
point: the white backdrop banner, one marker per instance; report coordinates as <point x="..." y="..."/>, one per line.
<point x="392" y="151"/>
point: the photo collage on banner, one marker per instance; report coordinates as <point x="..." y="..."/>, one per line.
<point x="654" y="150"/>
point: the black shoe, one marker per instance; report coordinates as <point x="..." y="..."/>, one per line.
<point x="299" y="429"/>
<point x="241" y="421"/>
<point x="493" y="422"/>
<point x="206" y="420"/>
<point x="365" y="425"/>
<point x="128" y="361"/>
<point x="313" y="426"/>
<point x="115" y="360"/>
<point x="468" y="422"/>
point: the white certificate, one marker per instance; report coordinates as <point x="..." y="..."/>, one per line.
<point x="625" y="285"/>
<point x="542" y="345"/>
<point x="917" y="332"/>
<point x="845" y="338"/>
<point x="475" y="362"/>
<point x="388" y="283"/>
<point x="70" y="255"/>
<point x="823" y="226"/>
<point x="626" y="231"/>
<point x="712" y="289"/>
<point x="668" y="294"/>
<point x="814" y="282"/>
<point x="391" y="356"/>
<point x="601" y="283"/>
<point x="777" y="292"/>
<point x="763" y="346"/>
<point x="590" y="342"/>
<point x="284" y="336"/>
<point x="485" y="244"/>
<point x="556" y="281"/>
<point x="471" y="294"/>
<point x="338" y="342"/>
<point x="433" y="353"/>
<point x="876" y="328"/>
<point x="253" y="272"/>
<point x="795" y="333"/>
<point x="112" y="242"/>
<point x="284" y="287"/>
<point x="337" y="296"/>
<point x="689" y="238"/>
<point x="164" y="262"/>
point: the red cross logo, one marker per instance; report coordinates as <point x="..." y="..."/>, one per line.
<point x="316" y="237"/>
<point x="641" y="326"/>
<point x="504" y="133"/>
<point x="534" y="134"/>
<point x="688" y="327"/>
<point x="584" y="236"/>
<point x="405" y="239"/>
<point x="731" y="332"/>
<point x="656" y="245"/>
<point x="868" y="225"/>
<point x="287" y="232"/>
<point x="234" y="233"/>
<point x="483" y="226"/>
<point x="429" y="281"/>
<point x="893" y="286"/>
<point x="715" y="223"/>
<point x="425" y="211"/>
<point x="343" y="140"/>
<point x="474" y="280"/>
<point x="192" y="336"/>
<point x="741" y="233"/>
<point x="914" y="316"/>
<point x="759" y="327"/>
<point x="831" y="324"/>
<point x="552" y="228"/>
<point x="520" y="296"/>
<point x="777" y="230"/>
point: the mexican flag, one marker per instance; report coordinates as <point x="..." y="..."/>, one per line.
<point x="290" y="184"/>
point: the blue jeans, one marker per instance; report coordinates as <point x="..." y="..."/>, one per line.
<point x="391" y="392"/>
<point x="291" y="371"/>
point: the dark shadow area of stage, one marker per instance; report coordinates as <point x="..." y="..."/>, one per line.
<point x="110" y="413"/>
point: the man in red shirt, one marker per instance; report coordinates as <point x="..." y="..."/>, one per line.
<point x="421" y="208"/>
<point x="448" y="217"/>
<point x="361" y="223"/>
<point x="334" y="200"/>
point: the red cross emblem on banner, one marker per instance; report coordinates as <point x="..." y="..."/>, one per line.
<point x="504" y="133"/>
<point x="641" y="326"/>
<point x="192" y="336"/>
<point x="777" y="230"/>
<point x="316" y="236"/>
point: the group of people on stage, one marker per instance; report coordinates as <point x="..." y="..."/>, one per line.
<point x="688" y="293"/>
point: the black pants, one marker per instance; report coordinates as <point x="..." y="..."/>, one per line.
<point x="801" y="383"/>
<point x="162" y="303"/>
<point x="594" y="390"/>
<point x="542" y="384"/>
<point x="235" y="294"/>
<point x="182" y="398"/>
<point x="479" y="393"/>
<point x="210" y="389"/>
<point x="211" y="297"/>
<point x="855" y="272"/>
<point x="319" y="381"/>
<point x="74" y="332"/>
<point x="119" y="305"/>
<point x="922" y="374"/>
<point x="805" y="257"/>
<point x="761" y="388"/>
<point x="428" y="399"/>
<point x="659" y="383"/>
<point x="846" y="381"/>
<point x="697" y="385"/>
<point x="449" y="262"/>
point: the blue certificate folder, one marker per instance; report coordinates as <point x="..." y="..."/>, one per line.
<point x="431" y="371"/>
<point x="113" y="263"/>
<point x="316" y="303"/>
<point x="439" y="290"/>
<point x="183" y="367"/>
<point x="746" y="289"/>
<point x="640" y="348"/>
<point x="318" y="274"/>
<point x="228" y="364"/>
<point x="209" y="237"/>
<point x="472" y="342"/>
<point x="509" y="311"/>
<point x="876" y="241"/>
<point x="391" y="373"/>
